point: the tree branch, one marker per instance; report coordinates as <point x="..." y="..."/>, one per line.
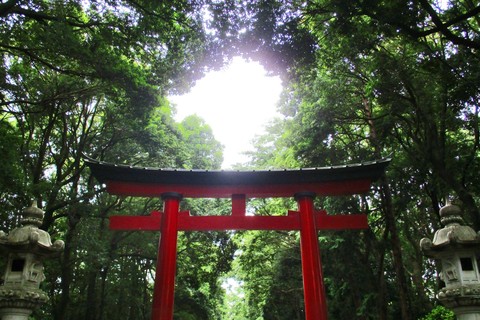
<point x="9" y="8"/>
<point x="443" y="27"/>
<point x="6" y="7"/>
<point x="28" y="52"/>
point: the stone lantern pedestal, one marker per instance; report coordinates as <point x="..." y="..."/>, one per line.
<point x="457" y="248"/>
<point x="25" y="247"/>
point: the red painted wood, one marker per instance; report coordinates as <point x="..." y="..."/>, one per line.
<point x="344" y="180"/>
<point x="164" y="287"/>
<point x="239" y="205"/>
<point x="250" y="191"/>
<point x="143" y="223"/>
<point x="306" y="219"/>
<point x="313" y="287"/>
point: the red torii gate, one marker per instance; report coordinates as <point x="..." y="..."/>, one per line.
<point x="303" y="184"/>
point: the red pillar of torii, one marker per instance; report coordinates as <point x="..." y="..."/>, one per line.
<point x="173" y="185"/>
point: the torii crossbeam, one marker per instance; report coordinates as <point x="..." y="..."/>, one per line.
<point x="173" y="185"/>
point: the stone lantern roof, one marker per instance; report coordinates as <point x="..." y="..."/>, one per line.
<point x="29" y="238"/>
<point x="25" y="248"/>
<point x="456" y="248"/>
<point x="453" y="234"/>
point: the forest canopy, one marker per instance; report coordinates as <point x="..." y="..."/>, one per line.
<point x="363" y="80"/>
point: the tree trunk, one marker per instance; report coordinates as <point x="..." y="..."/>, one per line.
<point x="103" y="276"/>
<point x="66" y="276"/>
<point x="91" y="302"/>
<point x="391" y="228"/>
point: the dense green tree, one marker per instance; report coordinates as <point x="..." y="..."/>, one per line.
<point x="384" y="84"/>
<point x="87" y="78"/>
<point x="199" y="137"/>
<point x="204" y="258"/>
<point x="363" y="80"/>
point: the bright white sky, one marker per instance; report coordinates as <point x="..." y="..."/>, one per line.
<point x="236" y="102"/>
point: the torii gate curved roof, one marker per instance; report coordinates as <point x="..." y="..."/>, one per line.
<point x="152" y="182"/>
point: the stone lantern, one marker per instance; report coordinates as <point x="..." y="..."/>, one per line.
<point x="457" y="248"/>
<point x="25" y="248"/>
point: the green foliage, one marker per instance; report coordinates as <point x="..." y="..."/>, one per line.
<point x="11" y="176"/>
<point x="203" y="259"/>
<point x="285" y="297"/>
<point x="388" y="79"/>
<point x="440" y="313"/>
<point x="88" y="78"/>
<point x="363" y="80"/>
<point x="205" y="151"/>
<point x="267" y="266"/>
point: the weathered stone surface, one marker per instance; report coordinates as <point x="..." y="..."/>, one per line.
<point x="26" y="247"/>
<point x="29" y="238"/>
<point x="457" y="247"/>
<point x="453" y="234"/>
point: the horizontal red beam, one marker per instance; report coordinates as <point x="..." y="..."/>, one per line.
<point x="239" y="222"/>
<point x="145" y="223"/>
<point x="332" y="188"/>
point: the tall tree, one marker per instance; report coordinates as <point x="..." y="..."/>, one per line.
<point x="88" y="78"/>
<point x="385" y="83"/>
<point x="199" y="136"/>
